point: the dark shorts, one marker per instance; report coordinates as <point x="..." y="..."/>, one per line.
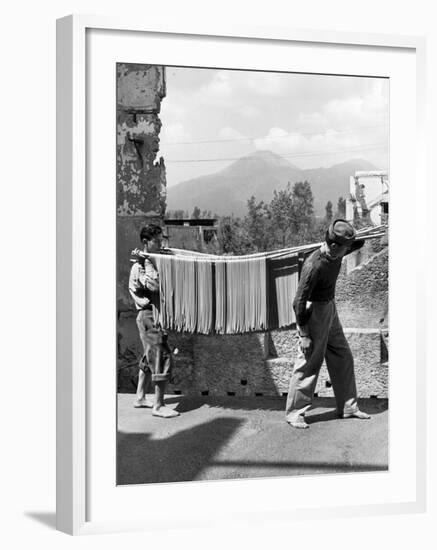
<point x="156" y="352"/>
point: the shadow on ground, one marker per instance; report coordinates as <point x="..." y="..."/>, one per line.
<point x="190" y="403"/>
<point x="180" y="457"/>
<point x="232" y="438"/>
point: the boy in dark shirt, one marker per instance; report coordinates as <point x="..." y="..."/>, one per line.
<point x="320" y="331"/>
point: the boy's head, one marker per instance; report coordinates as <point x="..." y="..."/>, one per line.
<point x="151" y="237"/>
<point x="339" y="237"/>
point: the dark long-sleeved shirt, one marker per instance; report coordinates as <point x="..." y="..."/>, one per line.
<point x="317" y="281"/>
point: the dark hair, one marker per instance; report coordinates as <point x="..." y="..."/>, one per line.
<point x="328" y="239"/>
<point x="150" y="231"/>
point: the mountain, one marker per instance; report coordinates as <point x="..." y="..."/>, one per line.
<point x="328" y="184"/>
<point x="259" y="174"/>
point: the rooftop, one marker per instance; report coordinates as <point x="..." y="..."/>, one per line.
<point x="191" y="221"/>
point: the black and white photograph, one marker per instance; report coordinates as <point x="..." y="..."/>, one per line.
<point x="223" y="225"/>
<point x="252" y="318"/>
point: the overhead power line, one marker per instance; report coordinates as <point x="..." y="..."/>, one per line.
<point x="294" y="155"/>
<point x="230" y="140"/>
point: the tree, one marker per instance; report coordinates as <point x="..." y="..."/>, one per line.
<point x="281" y="210"/>
<point x="257" y="224"/>
<point x="328" y="213"/>
<point x="174" y="214"/>
<point x="303" y="203"/>
<point x="232" y="238"/>
<point x="302" y="219"/>
<point x="318" y="231"/>
<point x="196" y="213"/>
<point x="288" y="220"/>
<point x="341" y="208"/>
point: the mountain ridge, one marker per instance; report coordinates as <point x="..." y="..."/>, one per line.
<point x="226" y="192"/>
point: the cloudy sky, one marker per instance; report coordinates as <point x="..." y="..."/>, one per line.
<point x="311" y="120"/>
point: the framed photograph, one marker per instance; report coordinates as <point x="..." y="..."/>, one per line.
<point x="233" y="213"/>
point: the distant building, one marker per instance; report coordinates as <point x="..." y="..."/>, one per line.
<point x="368" y="196"/>
<point x="368" y="201"/>
<point x="198" y="234"/>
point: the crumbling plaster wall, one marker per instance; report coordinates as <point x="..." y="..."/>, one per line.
<point x="141" y="183"/>
<point x="141" y="178"/>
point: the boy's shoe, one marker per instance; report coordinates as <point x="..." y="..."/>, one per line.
<point x="299" y="423"/>
<point x="357" y="414"/>
<point x="143" y="404"/>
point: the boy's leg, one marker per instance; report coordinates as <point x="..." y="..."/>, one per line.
<point x="159" y="407"/>
<point x="161" y="375"/>
<point x="340" y="364"/>
<point x="142" y="387"/>
<point x="144" y="323"/>
<point x="306" y="369"/>
<point x="301" y="389"/>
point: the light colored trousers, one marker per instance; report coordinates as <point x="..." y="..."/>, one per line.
<point x="329" y="343"/>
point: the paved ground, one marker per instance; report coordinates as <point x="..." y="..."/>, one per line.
<point x="230" y="438"/>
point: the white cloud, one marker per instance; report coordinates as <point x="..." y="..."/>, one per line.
<point x="219" y="88"/>
<point x="360" y="110"/>
<point x="266" y="84"/>
<point x="280" y="141"/>
<point x="235" y="88"/>
<point x="352" y="126"/>
<point x="248" y="111"/>
<point x="173" y="107"/>
<point x="174" y="132"/>
<point x="230" y="133"/>
<point x="295" y="144"/>
<point x="310" y="122"/>
<point x="350" y="109"/>
<point x="294" y="113"/>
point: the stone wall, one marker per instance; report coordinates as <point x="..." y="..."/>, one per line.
<point x="130" y="351"/>
<point x="362" y="294"/>
<point x="243" y="365"/>
<point x="370" y="372"/>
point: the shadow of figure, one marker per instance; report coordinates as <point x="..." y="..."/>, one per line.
<point x="45" y="518"/>
<point x="180" y="457"/>
<point x="190" y="403"/>
<point x="370" y="406"/>
<point x="321" y="417"/>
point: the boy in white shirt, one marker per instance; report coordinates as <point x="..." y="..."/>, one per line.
<point x="155" y="364"/>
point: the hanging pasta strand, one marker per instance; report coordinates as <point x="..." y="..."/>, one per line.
<point x="220" y="296"/>
<point x="240" y="301"/>
<point x="204" y="296"/>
